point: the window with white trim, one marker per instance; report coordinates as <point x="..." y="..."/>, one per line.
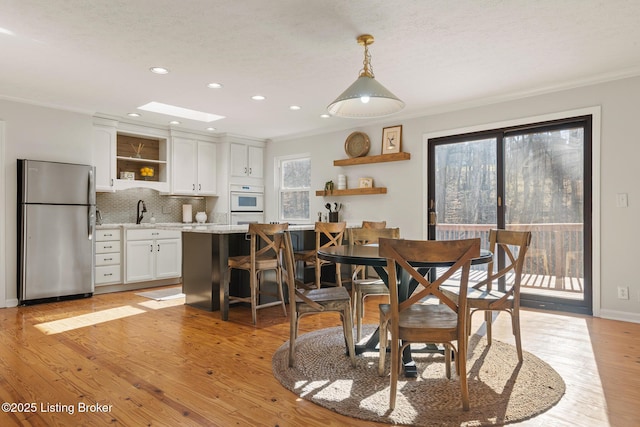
<point x="294" y="187"/>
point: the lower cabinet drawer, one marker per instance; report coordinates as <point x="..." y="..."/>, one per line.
<point x="108" y="274"/>
<point x="108" y="259"/>
<point x="104" y="247"/>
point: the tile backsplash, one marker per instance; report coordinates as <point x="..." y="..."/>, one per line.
<point x="120" y="207"/>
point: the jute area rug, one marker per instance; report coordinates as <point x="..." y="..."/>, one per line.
<point x="501" y="390"/>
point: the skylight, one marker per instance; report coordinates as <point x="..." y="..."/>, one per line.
<point x="185" y="113"/>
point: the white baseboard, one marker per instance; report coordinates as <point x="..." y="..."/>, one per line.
<point x="13" y="302"/>
<point x="620" y="315"/>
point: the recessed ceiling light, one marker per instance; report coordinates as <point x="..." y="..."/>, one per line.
<point x="133" y="115"/>
<point x="211" y="129"/>
<point x="325" y="116"/>
<point x="185" y="113"/>
<point x="214" y="85"/>
<point x="159" y="70"/>
<point x="174" y="122"/>
<point x="294" y="107"/>
<point x="7" y="32"/>
<point x="258" y="98"/>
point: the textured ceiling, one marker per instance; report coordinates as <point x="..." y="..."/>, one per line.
<point x="93" y="56"/>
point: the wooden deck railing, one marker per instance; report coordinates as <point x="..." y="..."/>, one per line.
<point x="556" y="249"/>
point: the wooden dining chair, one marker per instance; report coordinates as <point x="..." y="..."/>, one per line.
<point x="371" y="224"/>
<point x="374" y="224"/>
<point x="327" y="234"/>
<point x="266" y="244"/>
<point x="363" y="286"/>
<point x="304" y="301"/>
<point x="413" y="320"/>
<point x="483" y="296"/>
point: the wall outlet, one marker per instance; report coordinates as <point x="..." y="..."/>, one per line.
<point x="623" y="292"/>
<point x="622" y="200"/>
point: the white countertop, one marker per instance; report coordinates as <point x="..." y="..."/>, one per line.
<point x="200" y="228"/>
<point x="149" y="225"/>
<point x="230" y="229"/>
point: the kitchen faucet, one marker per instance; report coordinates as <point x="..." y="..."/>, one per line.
<point x="140" y="213"/>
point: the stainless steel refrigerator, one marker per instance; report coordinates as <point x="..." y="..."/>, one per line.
<point x="56" y="219"/>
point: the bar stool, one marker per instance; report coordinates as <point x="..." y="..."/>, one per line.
<point x="333" y="233"/>
<point x="266" y="244"/>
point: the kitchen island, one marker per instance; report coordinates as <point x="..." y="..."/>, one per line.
<point x="205" y="253"/>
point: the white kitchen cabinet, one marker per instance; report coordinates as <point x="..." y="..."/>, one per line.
<point x="193" y="167"/>
<point x="104" y="156"/>
<point x="246" y="161"/>
<point x="140" y="260"/>
<point x="153" y="254"/>
<point x="108" y="263"/>
<point x="207" y="173"/>
<point x="168" y="258"/>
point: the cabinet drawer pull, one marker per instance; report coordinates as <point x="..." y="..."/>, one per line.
<point x="108" y="259"/>
<point x="150" y="248"/>
<point x="108" y="235"/>
<point x="108" y="247"/>
<point x="108" y="274"/>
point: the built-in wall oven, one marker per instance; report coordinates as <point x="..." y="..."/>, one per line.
<point x="247" y="204"/>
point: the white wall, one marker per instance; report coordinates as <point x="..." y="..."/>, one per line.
<point x="402" y="206"/>
<point x="42" y="134"/>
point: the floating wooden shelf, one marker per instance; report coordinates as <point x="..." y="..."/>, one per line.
<point x="395" y="157"/>
<point x="353" y="191"/>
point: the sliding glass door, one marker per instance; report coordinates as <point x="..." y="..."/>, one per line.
<point x="535" y="178"/>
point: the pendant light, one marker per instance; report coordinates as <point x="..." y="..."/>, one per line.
<point x="365" y="98"/>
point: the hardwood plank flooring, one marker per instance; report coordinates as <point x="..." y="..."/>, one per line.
<point x="167" y="364"/>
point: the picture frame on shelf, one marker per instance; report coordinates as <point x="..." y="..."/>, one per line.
<point x="392" y="139"/>
<point x="365" y="183"/>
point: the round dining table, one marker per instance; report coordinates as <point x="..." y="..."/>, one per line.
<point x="368" y="255"/>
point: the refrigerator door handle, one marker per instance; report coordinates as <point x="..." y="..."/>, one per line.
<point x="91" y="197"/>
<point x="91" y="218"/>
<point x="91" y="191"/>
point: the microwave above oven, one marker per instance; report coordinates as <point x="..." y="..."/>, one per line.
<point x="247" y="198"/>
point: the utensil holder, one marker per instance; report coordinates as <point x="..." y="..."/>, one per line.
<point x="333" y="216"/>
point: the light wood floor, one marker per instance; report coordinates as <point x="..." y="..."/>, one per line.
<point x="167" y="364"/>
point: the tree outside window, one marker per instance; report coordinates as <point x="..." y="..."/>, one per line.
<point x="295" y="188"/>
